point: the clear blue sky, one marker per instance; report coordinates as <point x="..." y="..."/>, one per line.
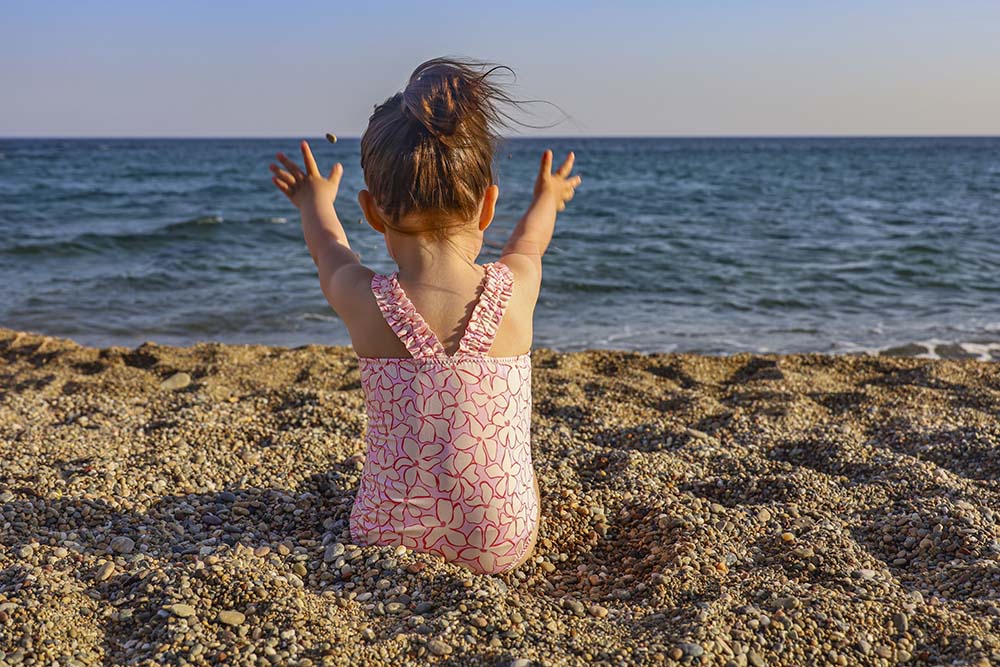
<point x="217" y="68"/>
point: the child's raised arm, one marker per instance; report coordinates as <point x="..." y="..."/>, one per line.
<point x="530" y="239"/>
<point x="313" y="194"/>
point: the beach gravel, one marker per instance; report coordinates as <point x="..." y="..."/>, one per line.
<point x="189" y="506"/>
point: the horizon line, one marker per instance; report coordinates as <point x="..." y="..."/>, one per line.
<point x="517" y="137"/>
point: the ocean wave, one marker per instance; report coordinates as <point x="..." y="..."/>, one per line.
<point x="194" y="229"/>
<point x="190" y="223"/>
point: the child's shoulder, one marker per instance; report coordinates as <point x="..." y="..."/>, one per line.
<point x="527" y="272"/>
<point x="349" y="289"/>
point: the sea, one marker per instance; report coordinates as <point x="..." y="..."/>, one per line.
<point x="706" y="245"/>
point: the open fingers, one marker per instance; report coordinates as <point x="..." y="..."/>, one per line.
<point x="283" y="175"/>
<point x="546" y="167"/>
<point x="291" y="166"/>
<point x="567" y="166"/>
<point x="336" y="171"/>
<point x="308" y="159"/>
<point x="284" y="187"/>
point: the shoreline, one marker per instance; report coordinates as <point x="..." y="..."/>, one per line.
<point x="933" y="348"/>
<point x="166" y="503"/>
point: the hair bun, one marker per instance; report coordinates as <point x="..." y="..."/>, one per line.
<point x="442" y="95"/>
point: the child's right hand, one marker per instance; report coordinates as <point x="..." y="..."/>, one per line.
<point x="557" y="186"/>
<point x="530" y="238"/>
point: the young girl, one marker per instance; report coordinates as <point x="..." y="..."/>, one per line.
<point x="442" y="343"/>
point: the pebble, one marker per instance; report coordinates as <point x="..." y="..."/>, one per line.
<point x="575" y="606"/>
<point x="786" y="602"/>
<point x="176" y="381"/>
<point x="754" y="659"/>
<point x="691" y="649"/>
<point x="105" y="571"/>
<point x="332" y="552"/>
<point x="122" y="544"/>
<point x="900" y="621"/>
<point x="519" y="662"/>
<point x="181" y="610"/>
<point x="438" y="647"/>
<point x="598" y="611"/>
<point x="25" y="552"/>
<point x="231" y="617"/>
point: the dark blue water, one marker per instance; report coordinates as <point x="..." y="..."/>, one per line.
<point x="707" y="245"/>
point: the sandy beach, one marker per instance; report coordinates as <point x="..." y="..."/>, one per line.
<point x="166" y="505"/>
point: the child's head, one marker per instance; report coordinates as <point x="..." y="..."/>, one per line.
<point x="427" y="153"/>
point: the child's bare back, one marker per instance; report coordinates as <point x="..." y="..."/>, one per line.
<point x="446" y="300"/>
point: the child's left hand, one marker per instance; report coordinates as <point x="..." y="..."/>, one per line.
<point x="309" y="187"/>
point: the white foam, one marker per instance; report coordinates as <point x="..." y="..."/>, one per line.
<point x="983" y="351"/>
<point x="979" y="351"/>
<point x="317" y="317"/>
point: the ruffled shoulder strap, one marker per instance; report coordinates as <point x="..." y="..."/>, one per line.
<point x="403" y="318"/>
<point x="485" y="320"/>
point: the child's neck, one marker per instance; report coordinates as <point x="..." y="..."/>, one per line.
<point x="421" y="255"/>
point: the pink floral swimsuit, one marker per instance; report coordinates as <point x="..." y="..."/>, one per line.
<point x="448" y="465"/>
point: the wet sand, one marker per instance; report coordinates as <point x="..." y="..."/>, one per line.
<point x="166" y="505"/>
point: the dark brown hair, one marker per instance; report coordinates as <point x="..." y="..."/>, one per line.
<point x="430" y="147"/>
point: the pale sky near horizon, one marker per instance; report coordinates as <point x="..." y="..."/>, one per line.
<point x="181" y="68"/>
